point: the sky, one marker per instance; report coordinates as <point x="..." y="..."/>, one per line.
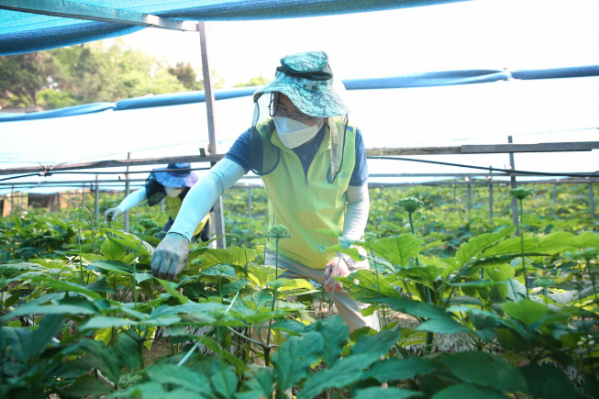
<point x="488" y="34"/>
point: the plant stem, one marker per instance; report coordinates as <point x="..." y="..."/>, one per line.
<point x="277" y="260"/>
<point x="274" y="299"/>
<point x="80" y="259"/>
<point x="522" y="248"/>
<point x="376" y="270"/>
<point x="143" y="236"/>
<point x="429" y="335"/>
<point x="91" y="219"/>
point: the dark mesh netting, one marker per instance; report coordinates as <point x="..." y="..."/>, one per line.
<point x="154" y="191"/>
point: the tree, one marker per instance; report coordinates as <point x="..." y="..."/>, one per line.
<point x="186" y="75"/>
<point x="22" y="77"/>
<point x="257" y="81"/>
<point x="89" y="73"/>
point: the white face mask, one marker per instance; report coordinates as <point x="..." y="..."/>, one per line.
<point x="173" y="192"/>
<point x="294" y="133"/>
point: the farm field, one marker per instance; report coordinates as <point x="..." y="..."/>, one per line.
<point x="491" y="314"/>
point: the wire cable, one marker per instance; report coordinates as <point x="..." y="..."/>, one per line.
<point x="490" y="169"/>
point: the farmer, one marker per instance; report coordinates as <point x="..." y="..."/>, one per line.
<point x="172" y="183"/>
<point x="313" y="165"/>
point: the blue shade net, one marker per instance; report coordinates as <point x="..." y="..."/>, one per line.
<point x="24" y="33"/>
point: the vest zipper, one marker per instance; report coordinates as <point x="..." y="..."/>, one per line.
<point x="306" y="182"/>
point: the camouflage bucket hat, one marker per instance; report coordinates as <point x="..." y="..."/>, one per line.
<point x="307" y="79"/>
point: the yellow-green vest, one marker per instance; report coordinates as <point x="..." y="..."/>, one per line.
<point x="173" y="205"/>
<point x="306" y="203"/>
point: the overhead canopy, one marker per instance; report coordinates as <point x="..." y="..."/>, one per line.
<point x="540" y="111"/>
<point x="22" y="32"/>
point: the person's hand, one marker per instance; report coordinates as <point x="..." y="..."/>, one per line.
<point x="170" y="256"/>
<point x="112" y="214"/>
<point x="335" y="268"/>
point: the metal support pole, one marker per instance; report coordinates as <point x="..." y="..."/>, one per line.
<point x="76" y="199"/>
<point x="514" y="185"/>
<point x="97" y="200"/>
<point x="491" y="195"/>
<point x="12" y="201"/>
<point x="83" y="196"/>
<point x="162" y="205"/>
<point x="127" y="184"/>
<point x="592" y="201"/>
<point x="250" y="202"/>
<point x="219" y="222"/>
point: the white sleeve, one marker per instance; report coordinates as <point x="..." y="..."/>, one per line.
<point x="356" y="215"/>
<point x="203" y="195"/>
<point x="133" y="199"/>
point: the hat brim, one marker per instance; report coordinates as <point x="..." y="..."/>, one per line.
<point x="168" y="180"/>
<point x="320" y="103"/>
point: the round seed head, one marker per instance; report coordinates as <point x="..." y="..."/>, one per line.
<point x="278" y="232"/>
<point x="521" y="193"/>
<point x="148" y="224"/>
<point x="409" y="204"/>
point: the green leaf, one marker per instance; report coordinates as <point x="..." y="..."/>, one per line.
<point x="112" y="250"/>
<point x="335" y="334"/>
<point x="261" y="385"/>
<point x="170" y="288"/>
<point x="386" y="393"/>
<point x="261" y="275"/>
<point x="480" y="368"/>
<point x="400" y="369"/>
<point x="182" y="377"/>
<point x="18" y="343"/>
<point x="416" y="308"/>
<point x="66" y="286"/>
<point x="548" y="244"/>
<point x="397" y="249"/>
<point x="526" y="311"/>
<point x="113" y="266"/>
<point x="141" y="277"/>
<point x="549" y="382"/>
<point x="130" y="241"/>
<point x="375" y="346"/>
<point x="479" y="243"/>
<point x="476" y="284"/>
<point x="241" y="256"/>
<point x="128" y="351"/>
<point x="367" y="289"/>
<point x="515" y="290"/>
<point x="223" y="379"/>
<point x="233" y="287"/>
<point x="103" y="335"/>
<point x="465" y="391"/>
<point x="346" y="371"/>
<point x="49" y="310"/>
<point x="86" y="386"/>
<point x="294" y="357"/>
<point x="106" y="322"/>
<point x="48" y="328"/>
<point x="442" y="326"/>
<point x="501" y="272"/>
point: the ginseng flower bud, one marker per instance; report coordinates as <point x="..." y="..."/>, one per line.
<point x="521" y="193"/>
<point x="278" y="232"/>
<point x="409" y="204"/>
<point x="148" y="224"/>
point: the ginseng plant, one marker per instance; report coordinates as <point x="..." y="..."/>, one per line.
<point x="276" y="232"/>
<point x="520" y="194"/>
